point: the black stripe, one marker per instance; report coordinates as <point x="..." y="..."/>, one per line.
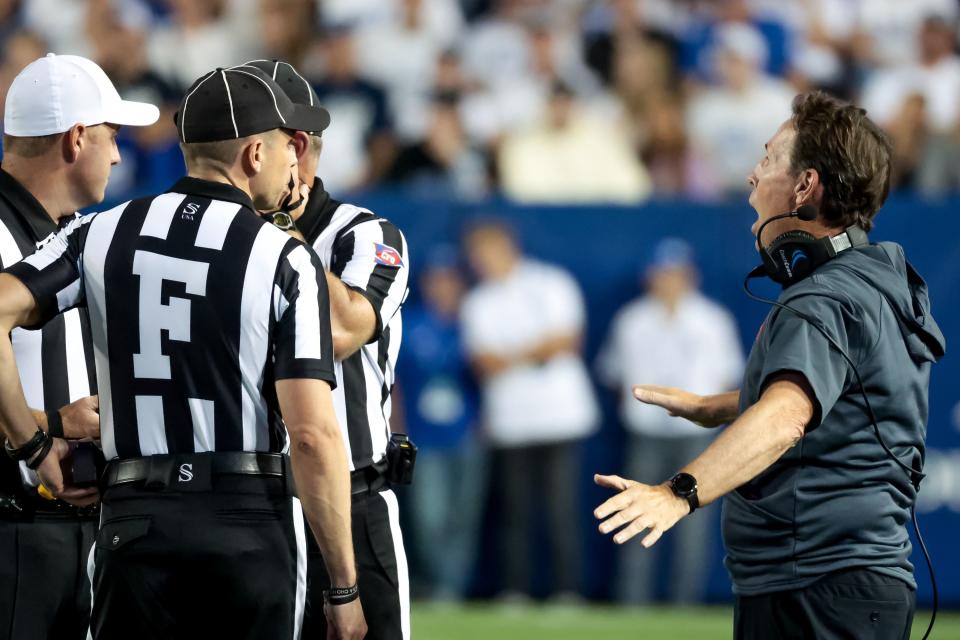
<point x="383" y="345"/>
<point x="53" y="358"/>
<point x="343" y="249"/>
<point x="358" y="420"/>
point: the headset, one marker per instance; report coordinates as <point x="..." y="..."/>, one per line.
<point x="791" y="257"/>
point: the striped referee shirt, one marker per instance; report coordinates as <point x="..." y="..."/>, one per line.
<point x="55" y="362"/>
<point x="197" y="306"/>
<point x="369" y="254"/>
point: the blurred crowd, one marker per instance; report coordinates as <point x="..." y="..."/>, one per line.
<point x="543" y="100"/>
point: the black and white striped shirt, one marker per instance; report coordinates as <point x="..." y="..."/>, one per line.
<point x="196" y="307"/>
<point x="369" y="254"/>
<point x="55" y="362"/>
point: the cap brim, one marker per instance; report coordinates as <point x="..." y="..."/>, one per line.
<point x="133" y="114"/>
<point x="307" y="118"/>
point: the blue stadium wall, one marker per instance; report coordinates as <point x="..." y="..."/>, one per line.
<point x="604" y="246"/>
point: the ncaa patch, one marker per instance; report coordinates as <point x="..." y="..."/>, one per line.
<point x="387" y="255"/>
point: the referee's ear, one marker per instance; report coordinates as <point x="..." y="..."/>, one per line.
<point x="301" y="143"/>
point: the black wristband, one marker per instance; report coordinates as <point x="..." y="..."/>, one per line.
<point x="40" y="457"/>
<point x="54" y="424"/>
<point x="29" y="449"/>
<point x="341" y="595"/>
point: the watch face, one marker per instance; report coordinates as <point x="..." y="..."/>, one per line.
<point x="283" y="221"/>
<point x="684" y="484"/>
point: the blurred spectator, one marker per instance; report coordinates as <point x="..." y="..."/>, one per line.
<point x="712" y="16"/>
<point x="402" y="54"/>
<point x="20" y="49"/>
<point x="728" y="123"/>
<point x="571" y="156"/>
<point x="197" y="37"/>
<point x="11" y="19"/>
<point x="445" y="164"/>
<point x="644" y="78"/>
<point x="360" y="146"/>
<point x="930" y="89"/>
<point x="441" y="409"/>
<point x="676" y="337"/>
<point x="286" y="29"/>
<point x="522" y="327"/>
<point x="887" y="29"/>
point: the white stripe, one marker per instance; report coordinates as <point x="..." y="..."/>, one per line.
<point x="215" y="223"/>
<point x="204" y="432"/>
<point x="94" y="256"/>
<point x="9" y="251"/>
<point x="255" y="305"/>
<point x="183" y="113"/>
<point x="307" y="340"/>
<point x="151" y="431"/>
<point x="358" y="269"/>
<point x="272" y="94"/>
<point x="78" y="384"/>
<point x="373" y="381"/>
<point x="403" y="576"/>
<point x="300" y="532"/>
<point x="233" y="119"/>
<point x="56" y="246"/>
<point x="69" y="296"/>
<point x="276" y="65"/>
<point x="162" y="209"/>
<point x="280" y="303"/>
<point x="27" y="349"/>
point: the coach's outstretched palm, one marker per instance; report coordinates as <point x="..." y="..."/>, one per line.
<point x="706" y="411"/>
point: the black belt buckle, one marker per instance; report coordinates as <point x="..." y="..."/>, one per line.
<point x="10" y="506"/>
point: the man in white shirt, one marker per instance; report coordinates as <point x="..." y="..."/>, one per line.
<point x="676" y="337"/>
<point x="522" y="327"/>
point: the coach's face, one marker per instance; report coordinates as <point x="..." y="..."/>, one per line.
<point x="272" y="159"/>
<point x="94" y="150"/>
<point x="774" y="186"/>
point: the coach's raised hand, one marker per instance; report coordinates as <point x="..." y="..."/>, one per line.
<point x="706" y="411"/>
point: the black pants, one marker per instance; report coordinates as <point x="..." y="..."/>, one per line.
<point x="225" y="563"/>
<point x="381" y="572"/>
<point x="44" y="591"/>
<point x="856" y="604"/>
<point x="530" y="477"/>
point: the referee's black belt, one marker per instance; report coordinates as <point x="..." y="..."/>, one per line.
<point x="178" y="471"/>
<point x="368" y="480"/>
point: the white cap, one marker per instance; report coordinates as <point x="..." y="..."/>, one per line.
<point x="54" y="93"/>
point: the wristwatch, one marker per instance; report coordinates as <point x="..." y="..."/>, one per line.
<point x="280" y="219"/>
<point x="684" y="486"/>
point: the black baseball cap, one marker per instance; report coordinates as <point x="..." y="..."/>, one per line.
<point x="226" y="104"/>
<point x="293" y="84"/>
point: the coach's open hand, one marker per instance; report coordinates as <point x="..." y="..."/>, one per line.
<point x="706" y="411"/>
<point x="640" y="507"/>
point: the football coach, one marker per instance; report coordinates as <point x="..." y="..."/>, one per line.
<point x="820" y="463"/>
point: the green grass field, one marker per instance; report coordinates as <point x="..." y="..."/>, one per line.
<point x="494" y="622"/>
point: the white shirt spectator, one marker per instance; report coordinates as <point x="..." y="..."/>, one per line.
<point x="893" y="25"/>
<point x="939" y="84"/>
<point x="728" y="128"/>
<point x="531" y="403"/>
<point x="697" y="349"/>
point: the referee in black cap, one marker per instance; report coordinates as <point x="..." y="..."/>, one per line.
<point x="207" y="322"/>
<point x="367" y="263"/>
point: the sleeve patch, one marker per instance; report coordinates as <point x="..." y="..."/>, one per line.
<point x="387" y="255"/>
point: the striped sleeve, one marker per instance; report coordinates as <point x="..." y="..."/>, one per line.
<point x="372" y="258"/>
<point x="53" y="274"/>
<point x="302" y="342"/>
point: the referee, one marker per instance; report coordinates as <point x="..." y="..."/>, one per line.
<point x="207" y="323"/>
<point x="367" y="268"/>
<point x="61" y="118"/>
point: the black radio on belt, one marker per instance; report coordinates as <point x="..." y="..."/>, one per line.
<point x="401" y="459"/>
<point x="87" y="464"/>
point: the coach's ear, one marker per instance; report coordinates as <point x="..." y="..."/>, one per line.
<point x="73" y="142"/>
